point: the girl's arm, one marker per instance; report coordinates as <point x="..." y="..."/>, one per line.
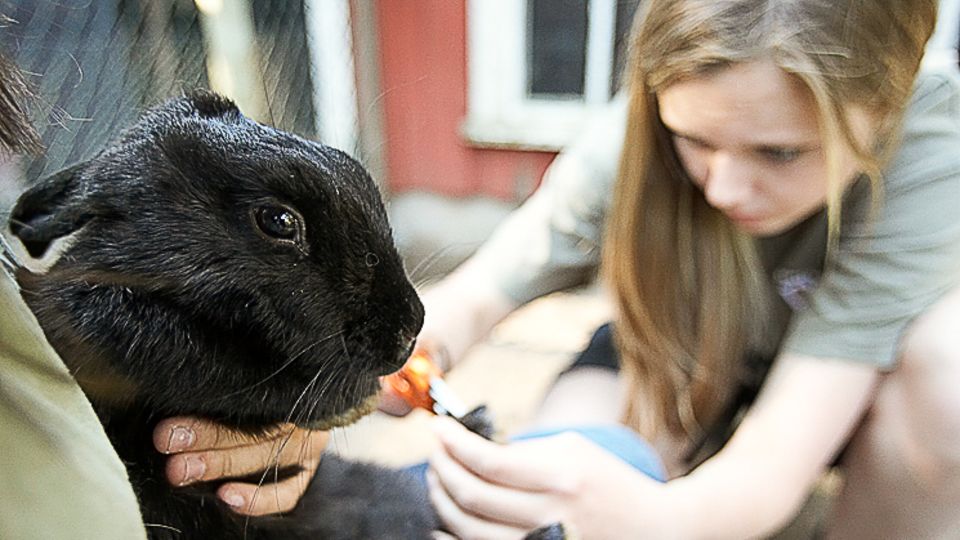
<point x="751" y="488"/>
<point x="805" y="414"/>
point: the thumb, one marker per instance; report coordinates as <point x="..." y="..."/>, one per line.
<point x="390" y="401"/>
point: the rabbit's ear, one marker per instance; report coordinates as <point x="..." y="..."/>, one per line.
<point x="212" y="105"/>
<point x="49" y="210"/>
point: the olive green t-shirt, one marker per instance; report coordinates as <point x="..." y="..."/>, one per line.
<point x="59" y="476"/>
<point x="894" y="260"/>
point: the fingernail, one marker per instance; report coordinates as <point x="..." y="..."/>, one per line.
<point x="181" y="438"/>
<point x="233" y="499"/>
<point x="193" y="469"/>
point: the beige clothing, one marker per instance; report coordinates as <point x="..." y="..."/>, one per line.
<point x="59" y="476"/>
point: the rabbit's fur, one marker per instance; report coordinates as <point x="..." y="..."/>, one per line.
<point x="223" y="268"/>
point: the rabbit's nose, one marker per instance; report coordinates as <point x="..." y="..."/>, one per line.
<point x="406" y="349"/>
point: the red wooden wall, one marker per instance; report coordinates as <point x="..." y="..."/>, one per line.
<point x="424" y="84"/>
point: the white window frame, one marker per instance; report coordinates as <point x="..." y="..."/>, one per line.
<point x="942" y="47"/>
<point x="332" y="69"/>
<point x="499" y="112"/>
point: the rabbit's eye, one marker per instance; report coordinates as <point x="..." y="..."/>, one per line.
<point x="278" y="222"/>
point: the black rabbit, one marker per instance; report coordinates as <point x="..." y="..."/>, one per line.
<point x="222" y="268"/>
<point x="219" y="268"/>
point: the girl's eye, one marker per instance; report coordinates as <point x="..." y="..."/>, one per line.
<point x="781" y="155"/>
<point x="278" y="222"/>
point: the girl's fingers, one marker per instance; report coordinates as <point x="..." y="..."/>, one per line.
<point x="261" y="500"/>
<point x="462" y="524"/>
<point x="487" y="501"/>
<point x="302" y="449"/>
<point x="518" y="465"/>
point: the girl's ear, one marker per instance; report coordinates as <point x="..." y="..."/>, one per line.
<point x="52" y="209"/>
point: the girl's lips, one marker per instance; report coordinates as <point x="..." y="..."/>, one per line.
<point x="748" y="223"/>
<point x="744" y="218"/>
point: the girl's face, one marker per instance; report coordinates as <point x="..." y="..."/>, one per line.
<point x="748" y="136"/>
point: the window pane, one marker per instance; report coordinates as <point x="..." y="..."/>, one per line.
<point x="557" y="45"/>
<point x="625" y="12"/>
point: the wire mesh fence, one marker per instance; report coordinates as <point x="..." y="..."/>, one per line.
<point x="97" y="64"/>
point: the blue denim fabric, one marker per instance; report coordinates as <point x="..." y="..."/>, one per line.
<point x="618" y="440"/>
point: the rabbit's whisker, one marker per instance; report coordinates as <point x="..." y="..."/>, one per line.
<point x="15" y="221"/>
<point x="280" y="447"/>
<point x="306" y="389"/>
<point x="420" y="275"/>
<point x="285" y="365"/>
<point x="428" y="262"/>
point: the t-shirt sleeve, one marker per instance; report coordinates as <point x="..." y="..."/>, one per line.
<point x="553" y="240"/>
<point x="888" y="270"/>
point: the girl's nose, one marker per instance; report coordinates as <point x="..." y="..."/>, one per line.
<point x="727" y="182"/>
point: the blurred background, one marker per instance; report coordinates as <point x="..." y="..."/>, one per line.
<point x="455" y="106"/>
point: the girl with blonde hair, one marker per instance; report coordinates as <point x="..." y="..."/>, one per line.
<point x="787" y="190"/>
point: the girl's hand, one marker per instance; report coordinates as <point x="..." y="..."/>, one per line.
<point x="391" y="402"/>
<point x="483" y="489"/>
<point x="203" y="451"/>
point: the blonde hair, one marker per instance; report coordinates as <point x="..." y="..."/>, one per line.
<point x="689" y="287"/>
